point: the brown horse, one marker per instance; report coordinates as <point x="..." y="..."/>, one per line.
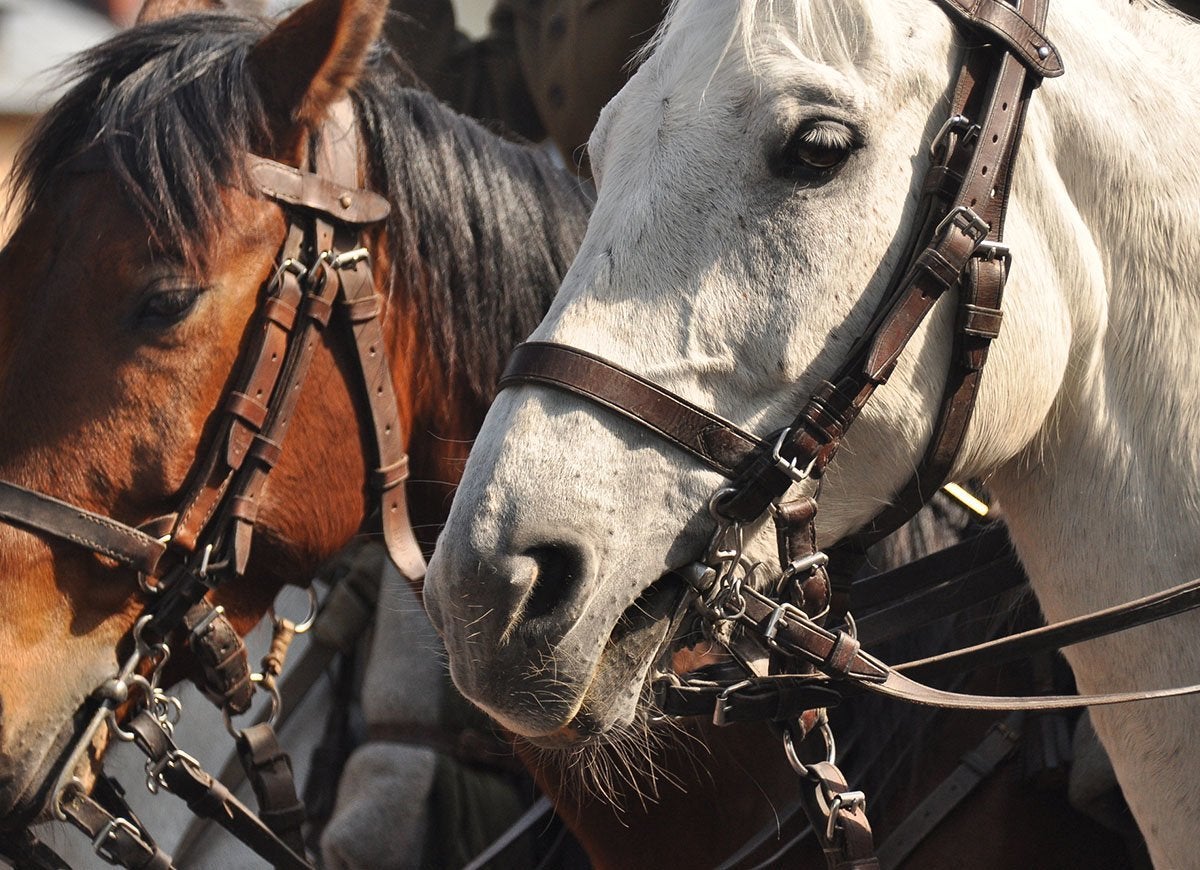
<point x="118" y="332"/>
<point x="125" y="308"/>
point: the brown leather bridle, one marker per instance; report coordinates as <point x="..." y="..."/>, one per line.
<point x="323" y="272"/>
<point x="790" y="661"/>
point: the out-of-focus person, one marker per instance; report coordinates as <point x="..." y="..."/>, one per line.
<point x="545" y="69"/>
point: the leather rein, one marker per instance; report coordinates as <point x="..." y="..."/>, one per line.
<point x="796" y="646"/>
<point x="323" y="273"/>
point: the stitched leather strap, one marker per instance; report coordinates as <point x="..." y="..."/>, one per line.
<point x="207" y="797"/>
<point x="42" y="513"/>
<point x="315" y="192"/>
<point x="716" y="442"/>
<point x="839" y="819"/>
<point x="842" y="659"/>
<point x="1020" y="35"/>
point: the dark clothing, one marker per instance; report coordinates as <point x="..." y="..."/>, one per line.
<point x="546" y="69"/>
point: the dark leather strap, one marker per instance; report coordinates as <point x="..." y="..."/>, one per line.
<point x="841" y="658"/>
<point x="839" y="819"/>
<point x="998" y="744"/>
<point x="296" y="188"/>
<point x="363" y="309"/>
<point x="42" y="513"/>
<point x="1110" y="620"/>
<point x="207" y="797"/>
<point x="1020" y="35"/>
<point x="116" y="839"/>
<point x="221" y="655"/>
<point x="712" y="440"/>
<point x="269" y="770"/>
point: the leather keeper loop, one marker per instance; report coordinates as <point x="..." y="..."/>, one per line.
<point x="384" y="479"/>
<point x="251" y="411"/>
<point x="363" y="309"/>
<point x="244" y="509"/>
<point x="938" y="268"/>
<point x="264" y="450"/>
<point x="319" y="309"/>
<point x="841" y="656"/>
<point x="279" y="312"/>
<point x="981" y="322"/>
<point x="942" y="182"/>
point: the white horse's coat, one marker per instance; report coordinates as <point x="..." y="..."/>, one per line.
<point x="740" y="291"/>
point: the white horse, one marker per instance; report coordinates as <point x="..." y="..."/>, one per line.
<point x="717" y="267"/>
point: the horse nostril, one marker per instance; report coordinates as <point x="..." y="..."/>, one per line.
<point x="558" y="569"/>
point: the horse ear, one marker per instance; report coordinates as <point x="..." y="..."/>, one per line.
<point x="156" y="10"/>
<point x="312" y="58"/>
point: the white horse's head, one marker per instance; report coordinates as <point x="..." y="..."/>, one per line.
<point x="758" y="179"/>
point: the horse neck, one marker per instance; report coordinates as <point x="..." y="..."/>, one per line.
<point x="1111" y="180"/>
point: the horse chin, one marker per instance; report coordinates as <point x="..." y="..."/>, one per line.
<point x="640" y="646"/>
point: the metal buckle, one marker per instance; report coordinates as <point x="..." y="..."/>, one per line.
<point x="349" y="259"/>
<point x="207" y="620"/>
<point x="847" y="800"/>
<point x="772" y="628"/>
<point x="966" y="220"/>
<point x="789" y="466"/>
<point x="804" y="565"/>
<point x="990" y="251"/>
<point x="108" y="834"/>
<point x="954" y="122"/>
<point x="721" y="709"/>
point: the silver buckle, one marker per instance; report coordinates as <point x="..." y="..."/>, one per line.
<point x="108" y="834"/>
<point x="721" y="709"/>
<point x="349" y="258"/>
<point x="848" y="800"/>
<point x="772" y="627"/>
<point x="954" y="122"/>
<point x="966" y="220"/>
<point x="789" y="466"/>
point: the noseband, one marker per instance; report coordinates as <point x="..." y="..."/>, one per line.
<point x="323" y="273"/>
<point x="790" y="662"/>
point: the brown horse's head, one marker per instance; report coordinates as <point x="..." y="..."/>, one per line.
<point x="125" y="297"/>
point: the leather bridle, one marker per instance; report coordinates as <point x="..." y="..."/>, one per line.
<point x="789" y="662"/>
<point x="323" y="273"/>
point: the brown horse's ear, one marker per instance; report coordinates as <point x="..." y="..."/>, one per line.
<point x="312" y="59"/>
<point x="156" y="10"/>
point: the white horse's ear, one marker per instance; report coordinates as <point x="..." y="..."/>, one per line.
<point x="156" y="10"/>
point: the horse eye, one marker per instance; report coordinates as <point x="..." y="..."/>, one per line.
<point x="815" y="152"/>
<point x="166" y="306"/>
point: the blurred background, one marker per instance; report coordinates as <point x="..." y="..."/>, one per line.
<point x="37" y="35"/>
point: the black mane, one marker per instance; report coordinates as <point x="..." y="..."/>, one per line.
<point x="481" y="229"/>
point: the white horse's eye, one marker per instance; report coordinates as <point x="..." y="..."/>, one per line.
<point x="815" y="152"/>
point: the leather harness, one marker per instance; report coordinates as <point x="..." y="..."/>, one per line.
<point x="791" y="662"/>
<point x="323" y="273"/>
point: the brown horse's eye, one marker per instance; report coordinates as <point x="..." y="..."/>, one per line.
<point x="166" y="306"/>
<point x="815" y="152"/>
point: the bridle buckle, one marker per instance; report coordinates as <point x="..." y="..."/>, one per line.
<point x="108" y="834"/>
<point x="966" y="219"/>
<point x="790" y="467"/>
